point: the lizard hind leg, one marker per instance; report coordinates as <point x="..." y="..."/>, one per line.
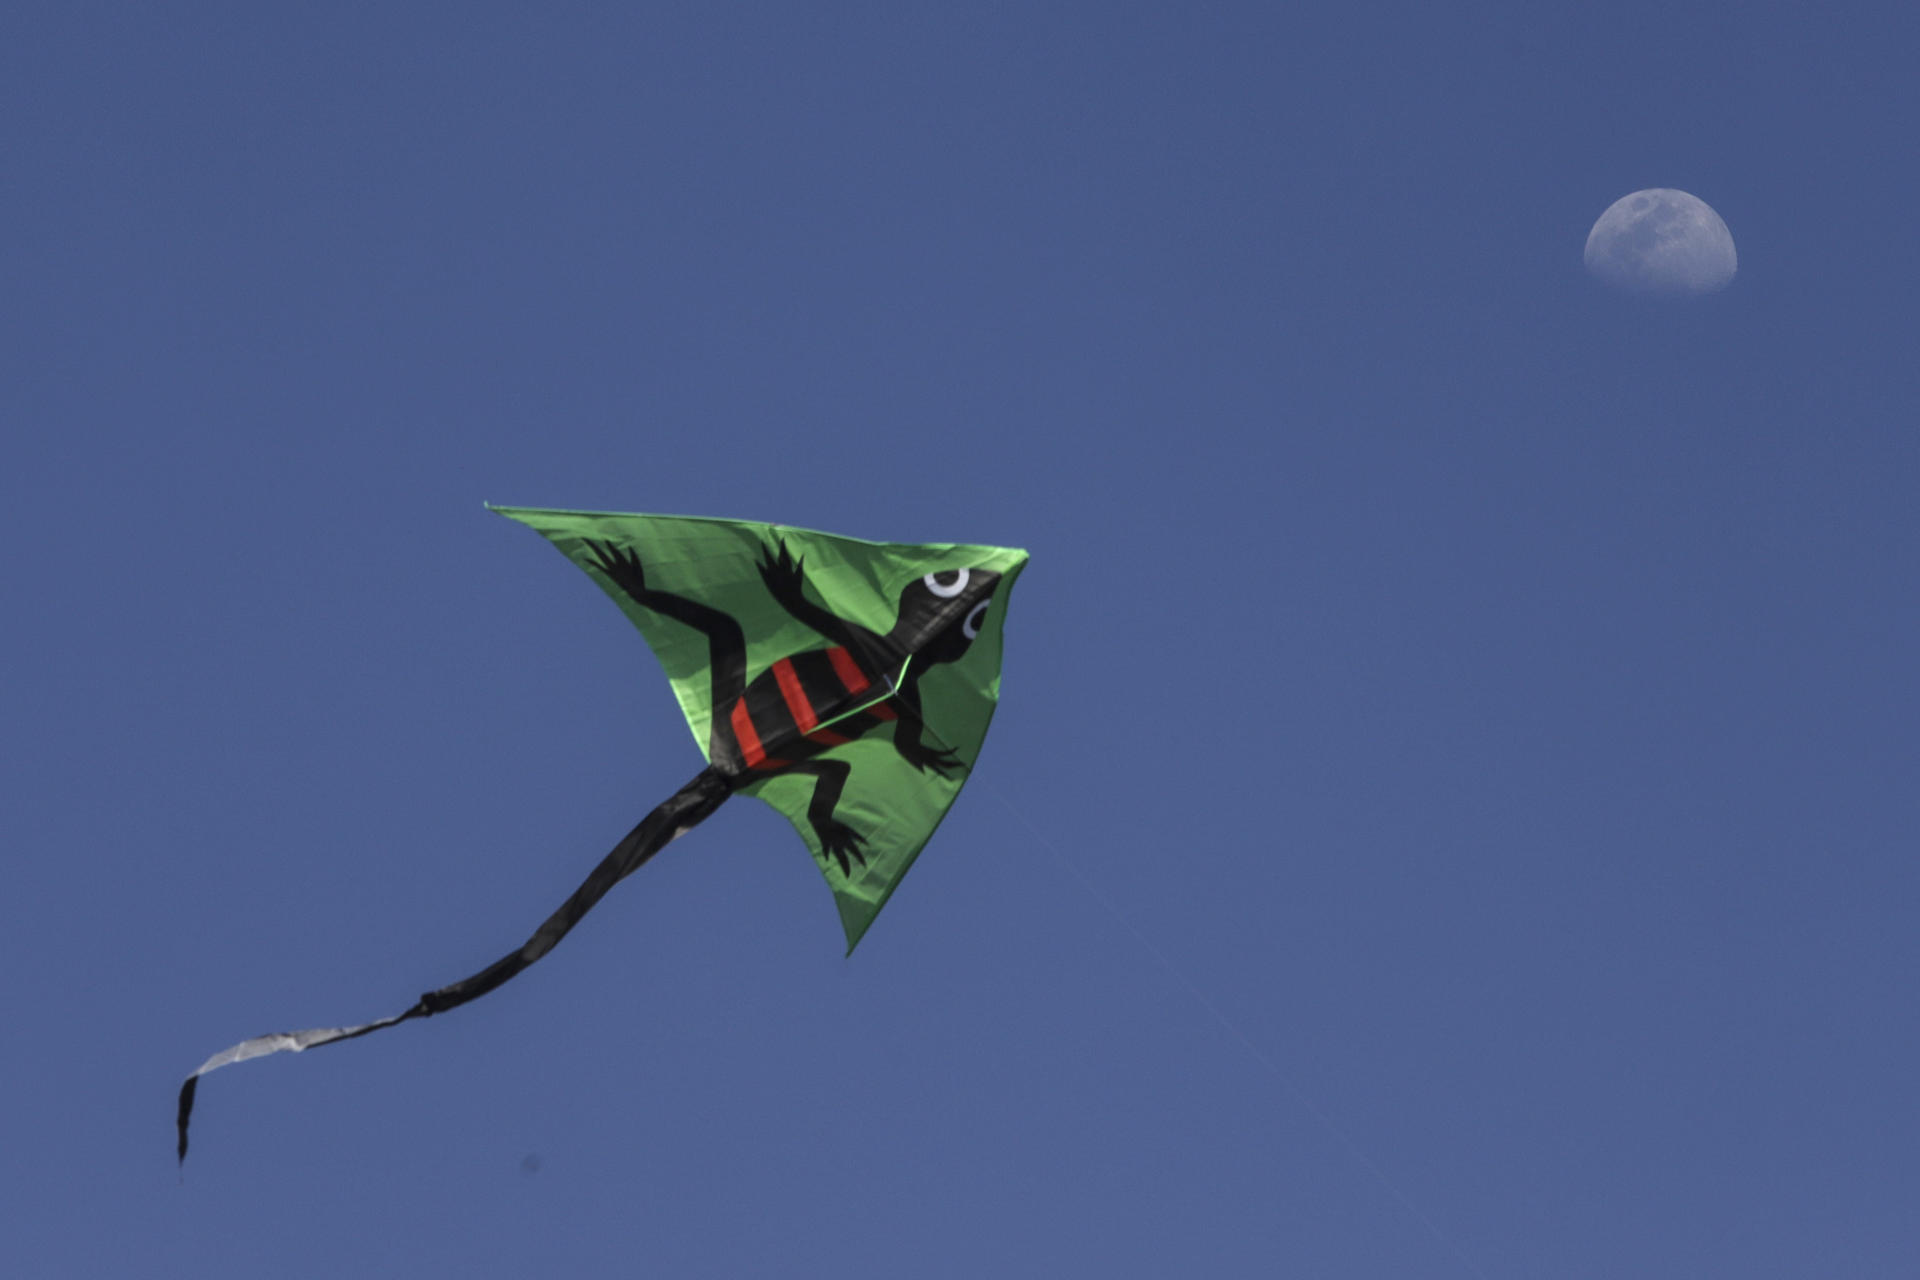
<point x="837" y="840"/>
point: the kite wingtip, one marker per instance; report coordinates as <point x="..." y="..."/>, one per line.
<point x="506" y="509"/>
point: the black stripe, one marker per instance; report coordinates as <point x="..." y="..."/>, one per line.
<point x="820" y="682"/>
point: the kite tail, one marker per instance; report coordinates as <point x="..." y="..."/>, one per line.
<point x="690" y="806"/>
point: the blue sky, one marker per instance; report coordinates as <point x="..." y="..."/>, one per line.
<point x="1452" y="809"/>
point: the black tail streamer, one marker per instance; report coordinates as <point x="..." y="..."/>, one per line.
<point x="690" y="806"/>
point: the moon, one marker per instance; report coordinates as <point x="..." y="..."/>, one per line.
<point x="1661" y="241"/>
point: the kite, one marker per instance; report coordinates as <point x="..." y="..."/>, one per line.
<point x="848" y="684"/>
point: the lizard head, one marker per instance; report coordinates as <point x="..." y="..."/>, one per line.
<point x="941" y="613"/>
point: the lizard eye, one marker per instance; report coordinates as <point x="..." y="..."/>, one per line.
<point x="948" y="583"/>
<point x="975" y="620"/>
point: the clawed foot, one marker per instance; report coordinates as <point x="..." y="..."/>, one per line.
<point x="783" y="574"/>
<point x="620" y="564"/>
<point x="841" y="843"/>
<point x="940" y="760"/>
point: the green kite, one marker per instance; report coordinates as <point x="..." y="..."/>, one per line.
<point x="848" y="684"/>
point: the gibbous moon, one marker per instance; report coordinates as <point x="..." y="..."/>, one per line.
<point x="1661" y="241"/>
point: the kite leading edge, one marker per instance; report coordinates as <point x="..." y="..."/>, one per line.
<point x="848" y="684"/>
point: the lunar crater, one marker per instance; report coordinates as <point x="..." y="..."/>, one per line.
<point x="1661" y="241"/>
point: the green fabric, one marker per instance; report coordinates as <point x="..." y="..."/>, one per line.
<point x="895" y="806"/>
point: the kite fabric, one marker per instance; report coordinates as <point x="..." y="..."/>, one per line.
<point x="848" y="684"/>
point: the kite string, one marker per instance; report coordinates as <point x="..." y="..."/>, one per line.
<point x="1299" y="1095"/>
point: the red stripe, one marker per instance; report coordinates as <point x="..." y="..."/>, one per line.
<point x="751" y="752"/>
<point x="796" y="697"/>
<point x="881" y="711"/>
<point x="828" y="738"/>
<point x="848" y="670"/>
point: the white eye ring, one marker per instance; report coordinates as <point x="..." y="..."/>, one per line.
<point x="950" y="590"/>
<point x="975" y="620"/>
